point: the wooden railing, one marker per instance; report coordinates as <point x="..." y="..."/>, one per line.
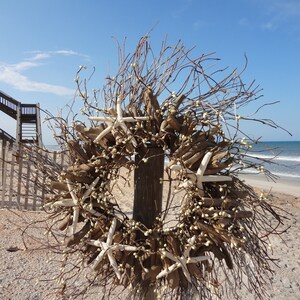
<point x="8" y="105"/>
<point x="23" y="185"/>
<point x="6" y="136"/>
<point x="27" y="116"/>
<point x="28" y="109"/>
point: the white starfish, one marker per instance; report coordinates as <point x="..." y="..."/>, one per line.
<point x="198" y="178"/>
<point x="74" y="202"/>
<point x="117" y="121"/>
<point x="181" y="262"/>
<point x="108" y="249"/>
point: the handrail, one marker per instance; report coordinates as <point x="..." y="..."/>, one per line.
<point x="12" y="104"/>
<point x="9" y="98"/>
<point x="28" y="109"/>
<point x="6" y="136"/>
<point x="9" y="104"/>
<point x="25" y="114"/>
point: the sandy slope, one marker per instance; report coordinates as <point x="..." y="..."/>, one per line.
<point x="25" y="273"/>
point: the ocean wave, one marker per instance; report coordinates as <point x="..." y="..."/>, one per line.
<point x="290" y="175"/>
<point x="273" y="157"/>
<point x="279" y="174"/>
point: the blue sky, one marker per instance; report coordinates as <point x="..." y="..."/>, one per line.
<point x="44" y="42"/>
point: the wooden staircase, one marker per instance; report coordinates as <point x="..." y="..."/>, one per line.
<point x="27" y="117"/>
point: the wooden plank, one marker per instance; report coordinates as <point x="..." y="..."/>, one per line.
<point x="55" y="156"/>
<point x="38" y="126"/>
<point x="12" y="177"/>
<point x="35" y="190"/>
<point x="148" y="191"/>
<point x="19" y="175"/>
<point x="1" y="159"/>
<point x="148" y="185"/>
<point x="4" y="173"/>
<point x="43" y="193"/>
<point x="62" y="158"/>
<point x="19" y="126"/>
<point x="27" y="184"/>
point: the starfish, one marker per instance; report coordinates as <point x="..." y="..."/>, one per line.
<point x="117" y="121"/>
<point x="181" y="262"/>
<point x="74" y="201"/>
<point x="199" y="176"/>
<point x="108" y="248"/>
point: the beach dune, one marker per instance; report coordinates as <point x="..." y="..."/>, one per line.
<point x="28" y="273"/>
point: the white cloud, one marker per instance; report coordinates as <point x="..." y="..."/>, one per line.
<point x="272" y="15"/>
<point x="280" y="12"/>
<point x="40" y="56"/>
<point x="23" y="65"/>
<point x="199" y="24"/>
<point x="269" y="26"/>
<point x="12" y="74"/>
<point x="286" y="8"/>
<point x="65" y="52"/>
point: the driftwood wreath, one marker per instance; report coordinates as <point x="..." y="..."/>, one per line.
<point x="174" y="124"/>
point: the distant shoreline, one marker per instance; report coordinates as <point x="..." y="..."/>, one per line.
<point x="289" y="186"/>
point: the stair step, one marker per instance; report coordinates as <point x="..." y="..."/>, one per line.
<point x="27" y="116"/>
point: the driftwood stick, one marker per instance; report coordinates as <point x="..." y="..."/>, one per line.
<point x="196" y="157"/>
<point x="57" y="185"/>
<point x="75" y="238"/>
<point x="219" y="202"/>
<point x="173" y="122"/>
<point x="65" y="222"/>
<point x="178" y="100"/>
<point x="152" y="106"/>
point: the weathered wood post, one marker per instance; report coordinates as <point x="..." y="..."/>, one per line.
<point x="19" y="125"/>
<point x="148" y="185"/>
<point x="148" y="190"/>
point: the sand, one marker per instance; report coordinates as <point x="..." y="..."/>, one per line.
<point x="28" y="273"/>
<point x="289" y="186"/>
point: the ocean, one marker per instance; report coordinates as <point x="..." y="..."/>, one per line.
<point x="284" y="158"/>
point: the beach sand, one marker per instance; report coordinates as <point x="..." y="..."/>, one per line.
<point x="282" y="185"/>
<point x="27" y="273"/>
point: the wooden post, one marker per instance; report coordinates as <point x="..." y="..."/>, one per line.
<point x="1" y="159"/>
<point x="148" y="190"/>
<point x="19" y="125"/>
<point x="148" y="185"/>
<point x="38" y="126"/>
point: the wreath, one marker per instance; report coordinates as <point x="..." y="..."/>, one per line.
<point x="209" y="222"/>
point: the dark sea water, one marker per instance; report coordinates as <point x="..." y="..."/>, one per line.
<point x="285" y="157"/>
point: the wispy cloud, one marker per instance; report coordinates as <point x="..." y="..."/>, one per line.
<point x="280" y="12"/>
<point x="64" y="52"/>
<point x="286" y="8"/>
<point x="270" y="25"/>
<point x="40" y="56"/>
<point x="178" y="11"/>
<point x="199" y="24"/>
<point x="272" y="15"/>
<point x="13" y="74"/>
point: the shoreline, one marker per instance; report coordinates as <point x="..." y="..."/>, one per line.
<point x="282" y="185"/>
